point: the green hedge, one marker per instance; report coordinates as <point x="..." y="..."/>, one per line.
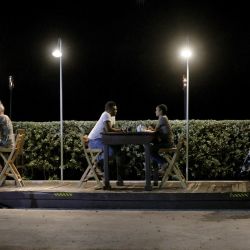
<point x="216" y="148"/>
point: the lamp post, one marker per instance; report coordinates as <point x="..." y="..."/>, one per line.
<point x="186" y="53"/>
<point x="11" y="86"/>
<point x="58" y="53"/>
<point x="184" y="82"/>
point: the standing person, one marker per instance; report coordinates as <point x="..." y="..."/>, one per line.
<point x="6" y="131"/>
<point x="106" y="123"/>
<point x="163" y="137"/>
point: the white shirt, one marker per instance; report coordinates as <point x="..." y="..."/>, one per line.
<point x="100" y="125"/>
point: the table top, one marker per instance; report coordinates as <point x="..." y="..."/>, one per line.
<point x="112" y="138"/>
<point x="129" y="133"/>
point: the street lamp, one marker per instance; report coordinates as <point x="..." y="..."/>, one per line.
<point x="58" y="53"/>
<point x="184" y="85"/>
<point x="187" y="53"/>
<point x="11" y="86"/>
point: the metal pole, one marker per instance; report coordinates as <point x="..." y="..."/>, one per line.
<point x="187" y="119"/>
<point x="185" y="91"/>
<point x="10" y="102"/>
<point x="61" y="110"/>
<point x="184" y="82"/>
<point x="11" y="86"/>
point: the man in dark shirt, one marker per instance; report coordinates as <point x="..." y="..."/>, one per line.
<point x="164" y="137"/>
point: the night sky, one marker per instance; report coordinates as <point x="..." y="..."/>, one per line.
<point x="126" y="51"/>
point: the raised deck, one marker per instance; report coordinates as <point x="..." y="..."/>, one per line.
<point x="67" y="195"/>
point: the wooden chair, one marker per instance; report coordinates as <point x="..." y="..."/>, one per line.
<point x="19" y="160"/>
<point x="91" y="156"/>
<point x="9" y="155"/>
<point x="172" y="157"/>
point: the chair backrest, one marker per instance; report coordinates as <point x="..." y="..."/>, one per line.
<point x="18" y="147"/>
<point x="21" y="131"/>
<point x="176" y="149"/>
<point x="84" y="140"/>
<point x="181" y="142"/>
<point x="90" y="154"/>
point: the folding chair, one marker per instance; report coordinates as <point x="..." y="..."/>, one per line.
<point x="9" y="155"/>
<point x="91" y="156"/>
<point x="172" y="157"/>
<point x="19" y="160"/>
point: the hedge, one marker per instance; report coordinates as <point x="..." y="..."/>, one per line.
<point x="216" y="149"/>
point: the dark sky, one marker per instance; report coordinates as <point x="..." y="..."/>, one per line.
<point x="126" y="51"/>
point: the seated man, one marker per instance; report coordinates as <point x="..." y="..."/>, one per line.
<point x="6" y="131"/>
<point x="106" y="123"/>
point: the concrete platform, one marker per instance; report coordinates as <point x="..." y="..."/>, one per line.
<point x="67" y="195"/>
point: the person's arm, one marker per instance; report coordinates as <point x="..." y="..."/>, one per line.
<point x="149" y="129"/>
<point x="159" y="123"/>
<point x="152" y="128"/>
<point x="109" y="128"/>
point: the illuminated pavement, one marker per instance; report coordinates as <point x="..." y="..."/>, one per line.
<point x="26" y="229"/>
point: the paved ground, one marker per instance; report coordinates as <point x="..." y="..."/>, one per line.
<point x="119" y="229"/>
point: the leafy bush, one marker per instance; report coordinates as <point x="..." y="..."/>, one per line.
<point x="216" y="148"/>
